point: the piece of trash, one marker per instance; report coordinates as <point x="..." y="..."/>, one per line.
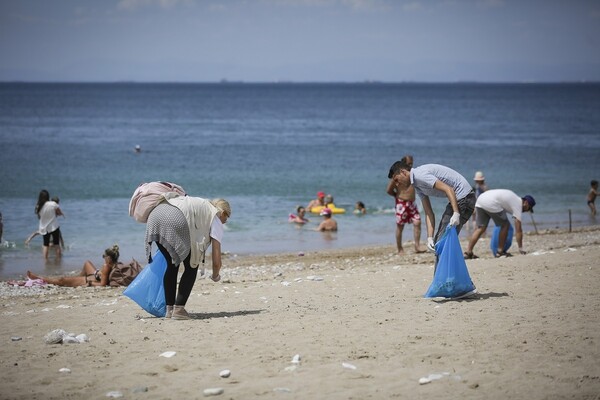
<point x="225" y="373"/>
<point x="114" y="394"/>
<point x="296" y="359"/>
<point x="570" y="249"/>
<point x="286" y="283"/>
<point x="300" y="254"/>
<point x="66" y="370"/>
<point x="63" y="306"/>
<point x="213" y="391"/>
<point x="348" y="366"/>
<point x="432" y="377"/>
<point x="168" y="354"/>
<point x="55" y="336"/>
<point x="70" y="339"/>
<point x="314" y="278"/>
<point x="82" y="338"/>
<point x="16" y="338"/>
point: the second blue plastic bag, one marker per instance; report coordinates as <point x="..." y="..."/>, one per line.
<point x="496" y="237"/>
<point x="147" y="288"/>
<point x="451" y="277"/>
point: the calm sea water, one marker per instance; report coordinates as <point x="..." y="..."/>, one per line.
<point x="270" y="147"/>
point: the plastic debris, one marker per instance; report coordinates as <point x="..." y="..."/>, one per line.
<point x="168" y="354"/>
<point x="225" y="373"/>
<point x="213" y="391"/>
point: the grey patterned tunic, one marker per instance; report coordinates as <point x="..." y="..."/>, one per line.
<point x="167" y="225"/>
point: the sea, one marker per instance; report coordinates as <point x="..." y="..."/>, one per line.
<point x="269" y="147"/>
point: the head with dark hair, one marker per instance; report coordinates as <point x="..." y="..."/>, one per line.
<point x="43" y="197"/>
<point x="594" y="183"/>
<point x="399" y="166"/>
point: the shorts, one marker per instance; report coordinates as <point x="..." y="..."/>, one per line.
<point x="55" y="238"/>
<point x="483" y="217"/>
<point x="407" y="212"/>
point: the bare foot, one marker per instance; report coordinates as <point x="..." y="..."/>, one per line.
<point x="420" y="250"/>
<point x="31" y="275"/>
<point x="401" y="252"/>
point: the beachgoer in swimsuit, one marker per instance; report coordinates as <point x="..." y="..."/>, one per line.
<point x="406" y="210"/>
<point x="89" y="275"/>
<point x="591" y="197"/>
<point x="298" y="218"/>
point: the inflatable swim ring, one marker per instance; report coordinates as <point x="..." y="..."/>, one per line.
<point x="331" y="206"/>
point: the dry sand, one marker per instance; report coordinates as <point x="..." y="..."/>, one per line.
<point x="532" y="332"/>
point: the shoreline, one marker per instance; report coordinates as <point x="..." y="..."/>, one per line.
<point x="357" y="319"/>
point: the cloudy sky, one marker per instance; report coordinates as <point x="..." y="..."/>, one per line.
<point x="300" y="40"/>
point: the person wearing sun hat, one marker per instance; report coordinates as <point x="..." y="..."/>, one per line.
<point x="495" y="204"/>
<point x="328" y="224"/>
<point x="318" y="202"/>
<point x="479" y="187"/>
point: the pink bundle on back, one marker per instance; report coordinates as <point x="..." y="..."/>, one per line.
<point x="149" y="195"/>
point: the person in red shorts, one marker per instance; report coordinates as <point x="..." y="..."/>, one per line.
<point x="406" y="211"/>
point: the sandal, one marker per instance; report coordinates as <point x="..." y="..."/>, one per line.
<point x="468" y="255"/>
<point x="503" y="254"/>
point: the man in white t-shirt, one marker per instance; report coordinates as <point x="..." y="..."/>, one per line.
<point x="495" y="204"/>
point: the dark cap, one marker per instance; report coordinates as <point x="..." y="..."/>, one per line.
<point x="530" y="201"/>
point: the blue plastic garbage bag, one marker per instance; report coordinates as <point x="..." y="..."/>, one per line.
<point x="496" y="237"/>
<point x="451" y="277"/>
<point x="147" y="288"/>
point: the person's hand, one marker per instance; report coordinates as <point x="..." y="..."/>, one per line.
<point x="522" y="251"/>
<point x="430" y="244"/>
<point x="215" y="278"/>
<point x="455" y="220"/>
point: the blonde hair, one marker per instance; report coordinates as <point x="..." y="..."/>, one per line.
<point x="113" y="253"/>
<point x="222" y="205"/>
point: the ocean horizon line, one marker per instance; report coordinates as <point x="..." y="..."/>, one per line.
<point x="291" y="82"/>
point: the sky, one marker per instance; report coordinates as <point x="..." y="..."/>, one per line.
<point x="300" y="40"/>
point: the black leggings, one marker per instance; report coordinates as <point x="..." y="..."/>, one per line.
<point x="188" y="278"/>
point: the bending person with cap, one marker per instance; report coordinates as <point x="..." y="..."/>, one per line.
<point x="183" y="228"/>
<point x="438" y="181"/>
<point x="495" y="204"/>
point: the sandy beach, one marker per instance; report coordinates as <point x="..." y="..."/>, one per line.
<point x="356" y="318"/>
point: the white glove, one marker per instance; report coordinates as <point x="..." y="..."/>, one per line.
<point x="455" y="220"/>
<point x="430" y="245"/>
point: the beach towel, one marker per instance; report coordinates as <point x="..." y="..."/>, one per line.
<point x="496" y="237"/>
<point x="451" y="279"/>
<point x="147" y="288"/>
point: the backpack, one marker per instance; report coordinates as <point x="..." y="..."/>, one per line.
<point x="124" y="274"/>
<point x="149" y="195"/>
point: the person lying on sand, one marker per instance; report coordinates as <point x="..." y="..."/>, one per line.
<point x="89" y="275"/>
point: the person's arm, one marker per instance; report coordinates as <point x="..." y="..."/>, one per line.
<point x="104" y="275"/>
<point x="216" y="260"/>
<point x="391" y="188"/>
<point x="449" y="192"/>
<point x="59" y="212"/>
<point x="429" y="222"/>
<point x="519" y="235"/>
<point x="320" y="228"/>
